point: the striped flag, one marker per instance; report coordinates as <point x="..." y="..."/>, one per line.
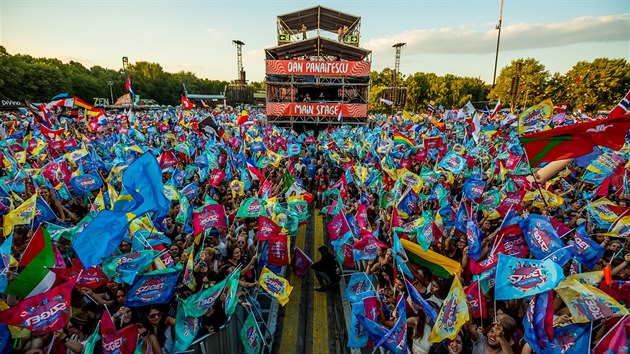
<point x="621" y="108"/>
<point x="37" y="258"/>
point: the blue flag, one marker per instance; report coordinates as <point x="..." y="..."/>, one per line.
<point x="574" y="338"/>
<point x="473" y="188"/>
<point x="357" y="336"/>
<point x="156" y="287"/>
<point x="394" y="339"/>
<point x="359" y="283"/>
<point x="588" y="251"/>
<point x="517" y="278"/>
<point x="473" y="237"/>
<point x="86" y="183"/>
<point x="453" y="162"/>
<point x="417" y="299"/>
<point x="540" y="235"/>
<point x="43" y="213"/>
<point x="538" y="323"/>
<point x="461" y="217"/>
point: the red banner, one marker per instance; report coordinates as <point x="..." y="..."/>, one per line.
<point x="312" y="67"/>
<point x="275" y="109"/>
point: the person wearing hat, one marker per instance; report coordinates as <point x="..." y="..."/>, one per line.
<point x="326" y="269"/>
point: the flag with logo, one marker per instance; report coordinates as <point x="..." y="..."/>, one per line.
<point x="517" y="278"/>
<point x="587" y="303"/>
<point x="186" y="329"/>
<point x="538" y="323"/>
<point x="573" y="339"/>
<point x="276" y="286"/>
<point x="453" y="314"/>
<point x="114" y="341"/>
<point x="22" y="215"/>
<point x="208" y="217"/>
<point x="453" y="162"/>
<point x="250" y="208"/>
<point x="338" y="227"/>
<point x="301" y="262"/>
<point x="359" y="283"/>
<point x="250" y="335"/>
<point x="418" y="300"/>
<point x="540" y="235"/>
<point x="473" y="238"/>
<point x="476" y="300"/>
<point x="588" y="251"/>
<point x="155" y="287"/>
<point x="394" y="339"/>
<point x="266" y="228"/>
<point x="43" y="313"/>
<point x="473" y="188"/>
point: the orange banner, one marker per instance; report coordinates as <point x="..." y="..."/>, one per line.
<point x="275" y="109"/>
<point x="313" y="67"/>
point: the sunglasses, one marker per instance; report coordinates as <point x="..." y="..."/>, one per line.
<point x="155" y="315"/>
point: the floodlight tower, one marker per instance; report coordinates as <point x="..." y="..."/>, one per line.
<point x="399" y="47"/>
<point x="239" y="61"/>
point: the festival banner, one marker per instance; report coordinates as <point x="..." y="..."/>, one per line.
<point x="275" y="109"/>
<point x="153" y="288"/>
<point x="317" y="67"/>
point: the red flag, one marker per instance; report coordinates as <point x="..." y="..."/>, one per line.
<point x="210" y="216"/>
<point x="216" y="177"/>
<point x="266" y="228"/>
<point x="265" y="190"/>
<point x="278" y="251"/>
<point x="253" y="171"/>
<point x="512" y="200"/>
<point x="576" y="140"/>
<point x="338" y="227"/>
<point x="120" y="342"/>
<point x="186" y="104"/>
<point x="50" y="133"/>
<point x="301" y="262"/>
<point x="621" y="108"/>
<point x="476" y="300"/>
<point x="242" y="119"/>
<point x="43" y="313"/>
<point x="168" y="158"/>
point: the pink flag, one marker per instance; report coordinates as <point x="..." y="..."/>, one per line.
<point x="216" y="177"/>
<point x="266" y="228"/>
<point x="120" y="342"/>
<point x="278" y="251"/>
<point x="43" y="313"/>
<point x="476" y="300"/>
<point x="338" y="227"/>
<point x="362" y="218"/>
<point x="301" y="262"/>
<point x="265" y="190"/>
<point x="210" y="216"/>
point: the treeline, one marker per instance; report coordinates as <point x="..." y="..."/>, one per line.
<point x="591" y="86"/>
<point x="23" y="77"/>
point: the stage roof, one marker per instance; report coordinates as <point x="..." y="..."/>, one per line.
<point x="318" y="17"/>
<point x="317" y="46"/>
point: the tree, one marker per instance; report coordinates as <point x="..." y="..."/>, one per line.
<point x="532" y="80"/>
<point x="598" y="85"/>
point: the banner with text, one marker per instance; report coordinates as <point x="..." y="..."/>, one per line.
<point x="276" y="109"/>
<point x="313" y="67"/>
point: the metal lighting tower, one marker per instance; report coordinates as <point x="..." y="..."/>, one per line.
<point x="399" y="47"/>
<point x="111" y="93"/>
<point x="496" y="58"/>
<point x="239" y="61"/>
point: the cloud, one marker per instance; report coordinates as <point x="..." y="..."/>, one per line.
<point x="211" y="30"/>
<point x="452" y="40"/>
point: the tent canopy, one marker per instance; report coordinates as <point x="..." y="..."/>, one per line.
<point x="318" y="17"/>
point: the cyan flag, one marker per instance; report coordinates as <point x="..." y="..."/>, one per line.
<point x="517" y="278"/>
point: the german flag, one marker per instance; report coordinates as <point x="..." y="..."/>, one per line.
<point x="81" y="103"/>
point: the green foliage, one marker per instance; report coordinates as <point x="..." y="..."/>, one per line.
<point x="23" y="77"/>
<point x="532" y="83"/>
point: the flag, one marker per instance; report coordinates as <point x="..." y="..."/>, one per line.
<point x="574" y="338"/>
<point x="496" y="109"/>
<point x="186" y="104"/>
<point x="81" y="103"/>
<point x="453" y="162"/>
<point x="575" y="140"/>
<point x="453" y="314"/>
<point x="473" y="238"/>
<point x="402" y="139"/>
<point x="125" y="268"/>
<point x="22" y="215"/>
<point x="387" y="102"/>
<point x="621" y="108"/>
<point x="276" y="286"/>
<point x="394" y="339"/>
<point x="587" y="303"/>
<point x="155" y="287"/>
<point x="231" y="287"/>
<point x="357" y="336"/>
<point x="43" y="313"/>
<point x="437" y="264"/>
<point x="517" y="278"/>
<point x="473" y="188"/>
<point x="208" y="217"/>
<point x="265" y="190"/>
<point x="86" y="183"/>
<point x="540" y="235"/>
<point x="540" y="198"/>
<point x="538" y="323"/>
<point x="278" y="250"/>
<point x="534" y="115"/>
<point x="198" y="303"/>
<point x="476" y="300"/>
<point x="142" y="192"/>
<point x="366" y="248"/>
<point x="476" y="127"/>
<point x="301" y="262"/>
<point x="43" y="213"/>
<point x="250" y="208"/>
<point x="417" y="299"/>
<point x="253" y="172"/>
<point x="588" y="251"/>
<point x="35" y="278"/>
<point x="128" y="86"/>
<point x="117" y="342"/>
<point x="186" y="328"/>
<point x="359" y="283"/>
<point x="250" y="335"/>
<point x="266" y="228"/>
<point x="615" y="341"/>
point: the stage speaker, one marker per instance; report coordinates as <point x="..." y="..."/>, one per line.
<point x="284" y="38"/>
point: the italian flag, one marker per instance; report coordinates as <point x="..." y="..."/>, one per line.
<point x="35" y="278"/>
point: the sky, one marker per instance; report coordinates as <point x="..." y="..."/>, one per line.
<point x="443" y="36"/>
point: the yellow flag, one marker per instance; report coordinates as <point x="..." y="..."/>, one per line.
<point x="274" y="157"/>
<point x="528" y="119"/>
<point x="412" y="180"/>
<point x="587" y="303"/>
<point x="361" y="173"/>
<point x="453" y="315"/>
<point x="21" y="215"/>
<point x="621" y="228"/>
<point x="601" y="209"/>
<point x="238" y="188"/>
<point x="537" y="200"/>
<point x="590" y="278"/>
<point x="276" y="286"/>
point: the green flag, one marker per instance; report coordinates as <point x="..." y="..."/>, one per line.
<point x="251" y="208"/>
<point x="186" y="328"/>
<point x="287" y="181"/>
<point x="91" y="342"/>
<point x="250" y="336"/>
<point x="231" y="300"/>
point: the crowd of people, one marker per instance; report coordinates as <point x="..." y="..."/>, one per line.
<point x="406" y="188"/>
